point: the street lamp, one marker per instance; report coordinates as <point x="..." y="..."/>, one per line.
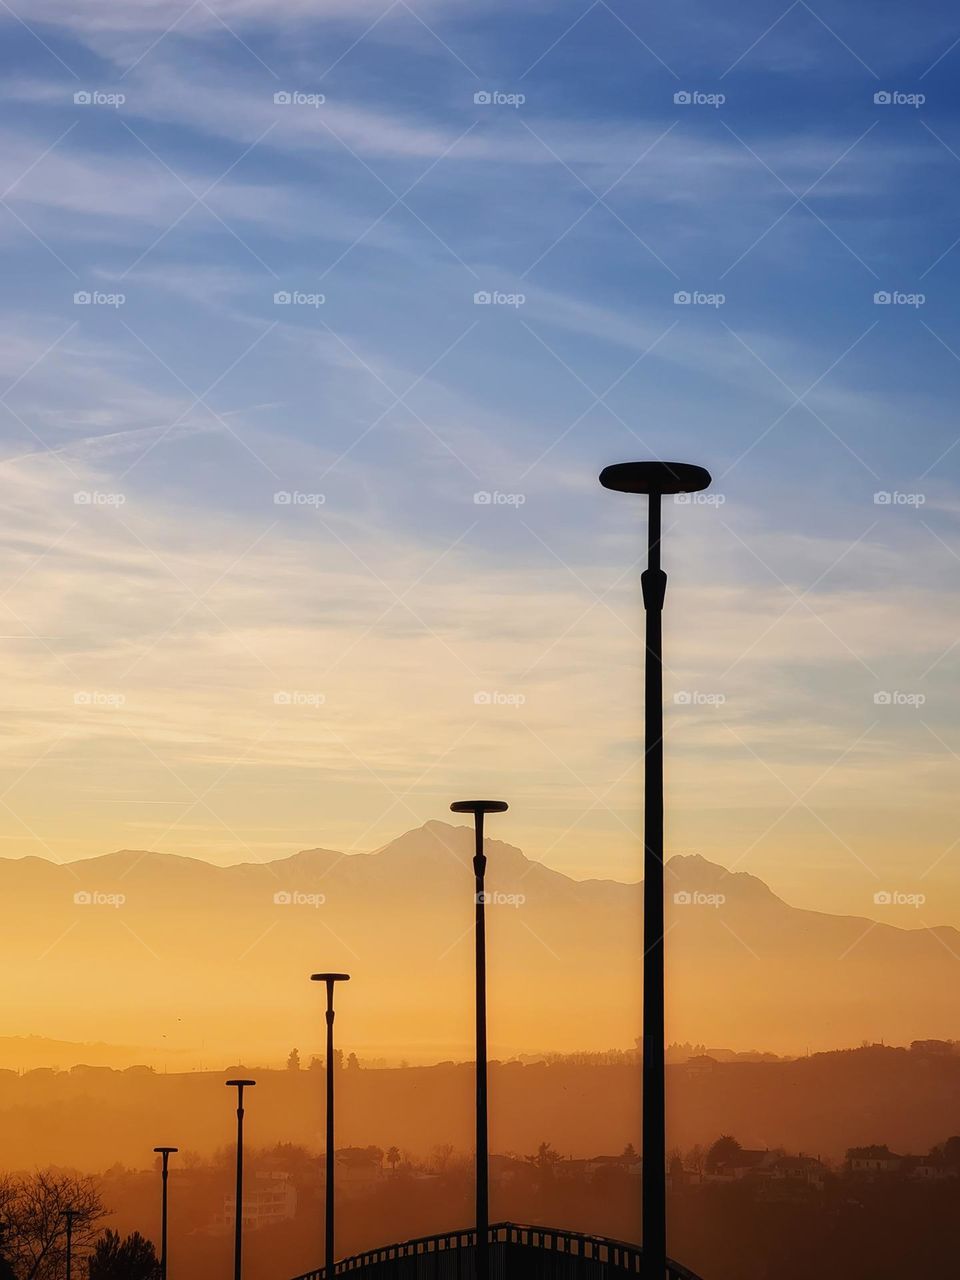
<point x="239" y="1085"/>
<point x="478" y="808"/>
<point x="654" y="479"/>
<point x="166" y="1153"/>
<point x="328" y="1228"/>
<point x="70" y="1214"/>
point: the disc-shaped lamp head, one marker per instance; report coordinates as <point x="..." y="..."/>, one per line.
<point x="479" y="806"/>
<point x="166" y="1150"/>
<point x="329" y="977"/>
<point x="242" y="1083"/>
<point x="655" y="477"/>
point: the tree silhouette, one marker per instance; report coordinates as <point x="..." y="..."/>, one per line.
<point x="133" y="1258"/>
<point x="724" y="1151"/>
<point x="32" y="1209"/>
<point x="293" y="1060"/>
<point x="393" y="1158"/>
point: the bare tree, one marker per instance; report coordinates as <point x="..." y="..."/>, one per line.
<point x="32" y="1209"/>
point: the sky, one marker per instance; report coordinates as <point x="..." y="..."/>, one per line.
<point x="320" y="320"/>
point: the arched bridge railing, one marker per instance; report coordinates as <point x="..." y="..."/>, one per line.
<point x="524" y="1253"/>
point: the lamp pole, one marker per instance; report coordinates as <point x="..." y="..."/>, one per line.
<point x="478" y="808"/>
<point x="165" y="1153"/>
<point x="328" y="1227"/>
<point x="70" y="1214"/>
<point x="239" y="1085"/>
<point x="654" y="479"/>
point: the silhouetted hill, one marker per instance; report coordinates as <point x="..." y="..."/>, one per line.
<point x="176" y="953"/>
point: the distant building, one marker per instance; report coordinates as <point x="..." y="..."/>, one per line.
<point x="742" y="1163"/>
<point x="269" y="1198"/>
<point x="871" y="1161"/>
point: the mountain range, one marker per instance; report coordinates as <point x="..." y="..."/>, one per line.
<point x="210" y="965"/>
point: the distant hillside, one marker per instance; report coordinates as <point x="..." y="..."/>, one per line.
<point x="823" y="1104"/>
<point x="153" y="949"/>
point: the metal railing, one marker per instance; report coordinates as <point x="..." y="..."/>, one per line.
<point x="530" y="1253"/>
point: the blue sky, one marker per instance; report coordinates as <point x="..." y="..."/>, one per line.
<point x="151" y="629"/>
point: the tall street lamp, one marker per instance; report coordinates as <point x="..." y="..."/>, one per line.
<point x="165" y="1153"/>
<point x="239" y="1085"/>
<point x="654" y="479"/>
<point x="328" y="1229"/>
<point x="478" y="808"/>
<point x="70" y="1214"/>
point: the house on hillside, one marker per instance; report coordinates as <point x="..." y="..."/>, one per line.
<point x="740" y="1164"/>
<point x="874" y="1161"/>
<point x="269" y="1198"/>
<point x="933" y="1169"/>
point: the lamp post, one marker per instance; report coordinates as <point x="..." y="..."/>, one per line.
<point x="239" y="1085"/>
<point x="70" y="1214"/>
<point x="654" y="479"/>
<point x="165" y="1153"/>
<point x="328" y="1227"/>
<point x="478" y="808"/>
